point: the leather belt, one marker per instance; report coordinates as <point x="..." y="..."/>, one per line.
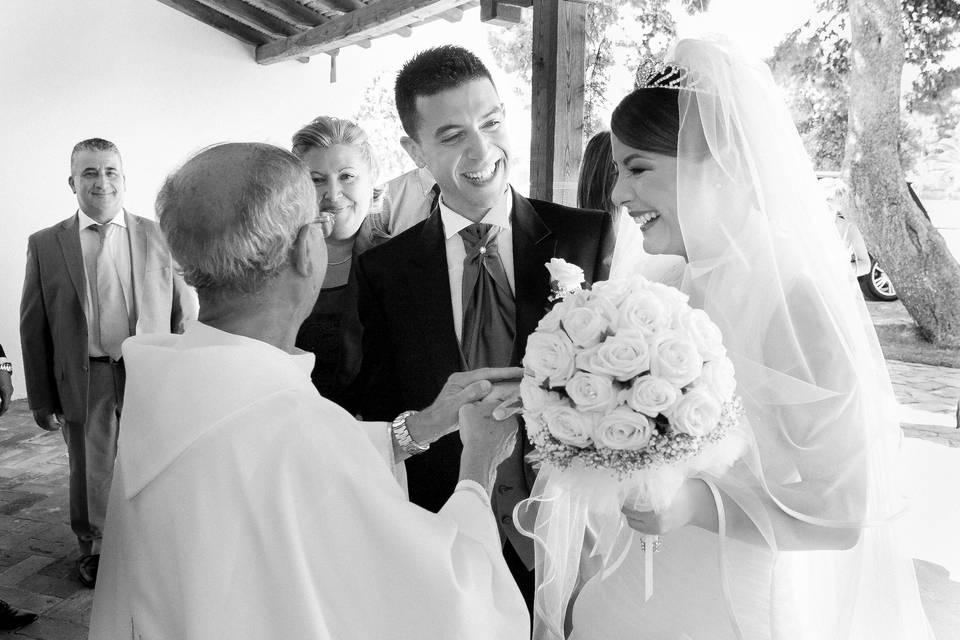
<point x="105" y="359"/>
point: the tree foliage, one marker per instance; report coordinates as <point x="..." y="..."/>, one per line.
<point x="377" y="115"/>
<point x="813" y="65"/>
<point x="617" y="33"/>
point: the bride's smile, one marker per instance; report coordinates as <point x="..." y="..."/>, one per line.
<point x="644" y="218"/>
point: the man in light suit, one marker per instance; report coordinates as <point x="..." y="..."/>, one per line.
<point x="426" y="308"/>
<point x="92" y="280"/>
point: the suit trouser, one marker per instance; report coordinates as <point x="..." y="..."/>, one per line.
<point x="92" y="448"/>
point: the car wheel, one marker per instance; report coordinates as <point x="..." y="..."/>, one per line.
<point x="876" y="284"/>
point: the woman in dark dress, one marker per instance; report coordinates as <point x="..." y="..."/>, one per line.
<point x="344" y="171"/>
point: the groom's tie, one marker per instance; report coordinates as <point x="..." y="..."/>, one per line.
<point x="489" y="310"/>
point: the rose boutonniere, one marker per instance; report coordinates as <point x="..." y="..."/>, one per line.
<point x="565" y="279"/>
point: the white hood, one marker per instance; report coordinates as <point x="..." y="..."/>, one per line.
<point x="179" y="387"/>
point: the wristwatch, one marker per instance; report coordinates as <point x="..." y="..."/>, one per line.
<point x="402" y="435"/>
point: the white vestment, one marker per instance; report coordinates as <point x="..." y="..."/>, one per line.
<point x="245" y="505"/>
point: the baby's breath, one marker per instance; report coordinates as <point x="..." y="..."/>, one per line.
<point x="667" y="446"/>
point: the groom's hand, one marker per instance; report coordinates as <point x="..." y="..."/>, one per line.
<point x="461" y="388"/>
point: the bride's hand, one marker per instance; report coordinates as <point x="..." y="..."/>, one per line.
<point x="693" y="504"/>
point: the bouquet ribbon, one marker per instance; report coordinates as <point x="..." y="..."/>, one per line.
<point x="574" y="517"/>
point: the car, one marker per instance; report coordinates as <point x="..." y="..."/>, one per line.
<point x="874" y="281"/>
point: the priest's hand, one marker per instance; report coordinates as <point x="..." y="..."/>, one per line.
<point x="461" y="388"/>
<point x="486" y="442"/>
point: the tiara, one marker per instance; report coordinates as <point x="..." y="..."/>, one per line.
<point x="653" y="73"/>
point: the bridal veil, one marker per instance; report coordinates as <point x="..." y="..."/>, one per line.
<point x="817" y="499"/>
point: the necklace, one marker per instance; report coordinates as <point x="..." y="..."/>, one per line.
<point x="344" y="261"/>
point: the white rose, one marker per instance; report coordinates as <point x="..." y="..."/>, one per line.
<point x="623" y="429"/>
<point x="613" y="290"/>
<point x="704" y="333"/>
<point x="671" y="296"/>
<point x="535" y="397"/>
<point x="675" y="359"/>
<point x="549" y="357"/>
<point x="651" y="395"/>
<point x="591" y="392"/>
<point x="718" y="377"/>
<point x="569" y="425"/>
<point x="585" y="326"/>
<point x="623" y="356"/>
<point x="551" y="321"/>
<point x="600" y="303"/>
<point x="697" y="413"/>
<point x="643" y="311"/>
<point x="569" y="277"/>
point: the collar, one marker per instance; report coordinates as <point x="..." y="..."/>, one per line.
<point x="498" y="215"/>
<point x="425" y="180"/>
<point x="87" y="221"/>
<point x="197" y="334"/>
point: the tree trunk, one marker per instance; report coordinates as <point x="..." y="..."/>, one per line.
<point x="911" y="250"/>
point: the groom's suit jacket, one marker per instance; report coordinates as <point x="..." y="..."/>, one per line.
<point x="53" y="325"/>
<point x="410" y="346"/>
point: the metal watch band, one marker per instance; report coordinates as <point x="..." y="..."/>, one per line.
<point x="402" y="435"/>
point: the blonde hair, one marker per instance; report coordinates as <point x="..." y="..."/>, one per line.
<point x="324" y="132"/>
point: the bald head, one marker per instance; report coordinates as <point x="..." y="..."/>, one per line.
<point x="231" y="215"/>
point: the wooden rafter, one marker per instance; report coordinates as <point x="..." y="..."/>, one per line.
<point x="344" y="6"/>
<point x="292" y="11"/>
<point x="253" y="16"/>
<point x="219" y="21"/>
<point x="373" y="20"/>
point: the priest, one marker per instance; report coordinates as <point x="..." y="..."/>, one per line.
<point x="244" y="504"/>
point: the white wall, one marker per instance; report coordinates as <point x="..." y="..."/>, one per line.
<point x="160" y="85"/>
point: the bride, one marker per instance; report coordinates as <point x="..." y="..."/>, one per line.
<point x="795" y="541"/>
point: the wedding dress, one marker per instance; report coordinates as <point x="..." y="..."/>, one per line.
<point x="807" y="549"/>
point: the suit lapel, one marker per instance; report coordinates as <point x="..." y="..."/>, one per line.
<point x="429" y="287"/>
<point x="138" y="257"/>
<point x="69" y="238"/>
<point x="533" y="246"/>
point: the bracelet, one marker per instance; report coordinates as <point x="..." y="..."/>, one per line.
<point x="6" y="365"/>
<point x="402" y="435"/>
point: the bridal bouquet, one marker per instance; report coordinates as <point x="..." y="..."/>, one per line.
<point x="627" y="391"/>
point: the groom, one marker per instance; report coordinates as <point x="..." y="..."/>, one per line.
<point x="449" y="294"/>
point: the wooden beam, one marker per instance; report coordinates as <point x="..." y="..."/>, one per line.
<point x="499" y="13"/>
<point x="559" y="47"/>
<point x="292" y="11"/>
<point x="345" y="6"/>
<point x="253" y="16"/>
<point x="373" y="20"/>
<point x="219" y="21"/>
<point x="454" y="15"/>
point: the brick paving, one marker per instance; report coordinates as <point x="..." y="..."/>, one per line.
<point x="38" y="550"/>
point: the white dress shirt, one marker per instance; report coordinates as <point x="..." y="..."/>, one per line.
<point x="453" y="224"/>
<point x="118" y="244"/>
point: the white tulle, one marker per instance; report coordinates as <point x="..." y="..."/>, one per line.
<point x="809" y="551"/>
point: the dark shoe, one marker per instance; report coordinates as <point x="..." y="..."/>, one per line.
<point x="87" y="569"/>
<point x="11" y="618"/>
